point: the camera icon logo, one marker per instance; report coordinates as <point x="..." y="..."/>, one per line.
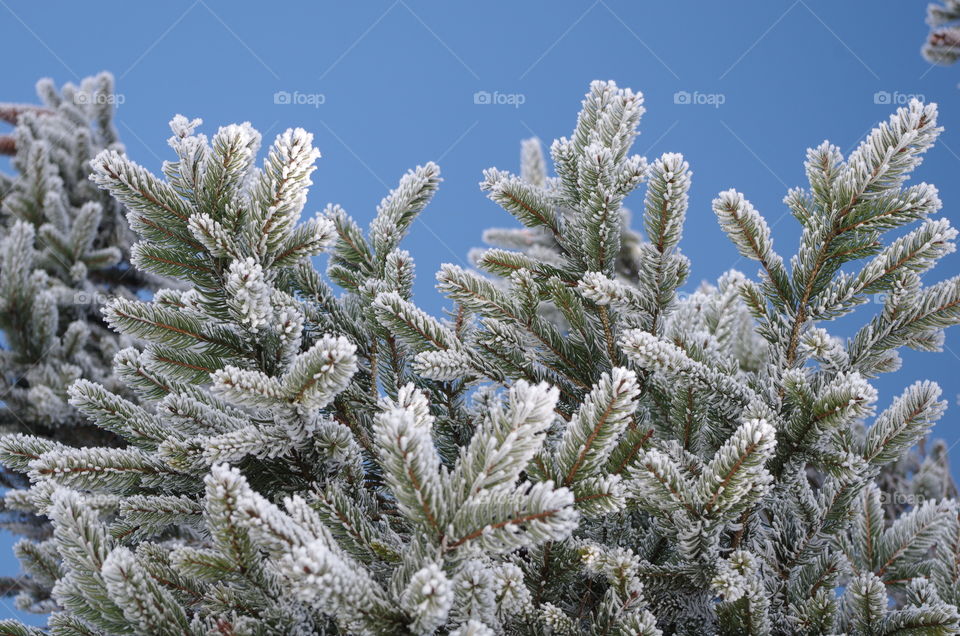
<point x="482" y="97"/>
<point x="281" y="97"/>
<point x="681" y="97"/>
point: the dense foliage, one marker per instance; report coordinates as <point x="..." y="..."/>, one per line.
<point x="574" y="449"/>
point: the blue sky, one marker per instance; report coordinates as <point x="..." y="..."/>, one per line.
<point x="386" y="85"/>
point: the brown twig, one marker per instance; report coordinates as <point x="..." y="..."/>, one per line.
<point x="10" y="113"/>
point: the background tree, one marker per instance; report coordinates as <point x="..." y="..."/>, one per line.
<point x="64" y="250"/>
<point x="943" y="43"/>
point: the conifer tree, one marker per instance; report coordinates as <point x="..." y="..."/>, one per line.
<point x="64" y="249"/>
<point x="574" y="449"/>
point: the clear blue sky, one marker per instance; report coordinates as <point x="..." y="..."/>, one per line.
<point x="398" y="80"/>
